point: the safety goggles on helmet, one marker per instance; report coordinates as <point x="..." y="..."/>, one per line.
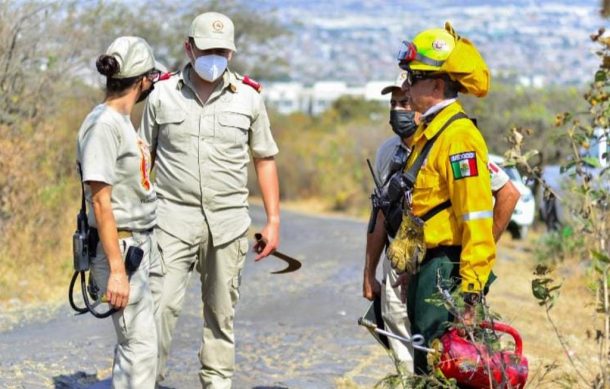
<point x="408" y="53"/>
<point x="414" y="76"/>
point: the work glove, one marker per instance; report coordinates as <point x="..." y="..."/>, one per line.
<point x="408" y="249"/>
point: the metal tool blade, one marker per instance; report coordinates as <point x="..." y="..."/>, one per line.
<point x="293" y="264"/>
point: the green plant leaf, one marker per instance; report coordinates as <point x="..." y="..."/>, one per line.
<point x="591" y="161"/>
<point x="539" y="289"/>
<point x="602" y="257"/>
<point x="566" y="167"/>
<point x="600" y="76"/>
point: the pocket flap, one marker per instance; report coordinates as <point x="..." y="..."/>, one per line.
<point x="234" y="119"/>
<point x="428" y="179"/>
<point x="243" y="245"/>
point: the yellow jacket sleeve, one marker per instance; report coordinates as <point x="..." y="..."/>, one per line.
<point x="469" y="188"/>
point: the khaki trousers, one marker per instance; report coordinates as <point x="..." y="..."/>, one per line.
<point x="396" y="320"/>
<point x="220" y="273"/>
<point x="135" y="354"/>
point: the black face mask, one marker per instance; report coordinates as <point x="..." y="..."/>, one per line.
<point x="144" y="94"/>
<point x="403" y="122"/>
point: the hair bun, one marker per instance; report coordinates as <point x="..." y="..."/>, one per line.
<point x="107" y="65"/>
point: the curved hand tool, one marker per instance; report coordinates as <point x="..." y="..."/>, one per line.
<point x="293" y="264"/>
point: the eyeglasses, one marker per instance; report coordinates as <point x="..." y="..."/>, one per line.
<point x="413" y="77"/>
<point x="154" y="75"/>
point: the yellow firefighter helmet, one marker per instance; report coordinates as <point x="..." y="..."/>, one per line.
<point x="444" y="51"/>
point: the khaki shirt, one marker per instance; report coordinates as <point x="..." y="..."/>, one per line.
<point x="110" y="151"/>
<point x="202" y="154"/>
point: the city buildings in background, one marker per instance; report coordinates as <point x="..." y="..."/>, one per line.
<point x="346" y="47"/>
<point x="290" y="97"/>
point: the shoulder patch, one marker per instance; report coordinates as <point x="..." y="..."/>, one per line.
<point x="464" y="165"/>
<point x="250" y="82"/>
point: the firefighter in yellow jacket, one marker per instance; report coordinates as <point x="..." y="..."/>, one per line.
<point x="451" y="192"/>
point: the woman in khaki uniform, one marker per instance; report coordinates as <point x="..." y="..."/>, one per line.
<point x="115" y="165"/>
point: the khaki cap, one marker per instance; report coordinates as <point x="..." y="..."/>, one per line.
<point x="402" y="76"/>
<point x="134" y="55"/>
<point x="213" y="30"/>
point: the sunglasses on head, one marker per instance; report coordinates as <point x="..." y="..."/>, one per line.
<point x="154" y="75"/>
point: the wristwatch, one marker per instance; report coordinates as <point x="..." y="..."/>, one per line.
<point x="472" y="298"/>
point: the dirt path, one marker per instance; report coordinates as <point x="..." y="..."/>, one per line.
<point x="297" y="330"/>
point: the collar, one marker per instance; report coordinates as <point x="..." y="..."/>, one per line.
<point x="428" y="130"/>
<point x="430" y="113"/>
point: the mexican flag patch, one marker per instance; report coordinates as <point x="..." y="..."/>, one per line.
<point x="464" y="165"/>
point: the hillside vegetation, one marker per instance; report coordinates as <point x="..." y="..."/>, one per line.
<point x="48" y="85"/>
<point x="321" y="158"/>
<point x="325" y="156"/>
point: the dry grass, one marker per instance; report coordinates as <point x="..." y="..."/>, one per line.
<point x="573" y="314"/>
<point x="39" y="199"/>
<point x="511" y="297"/>
<point x="347" y="383"/>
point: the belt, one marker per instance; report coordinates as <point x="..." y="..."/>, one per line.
<point x="122" y="234"/>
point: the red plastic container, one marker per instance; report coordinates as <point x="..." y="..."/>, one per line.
<point x="471" y="364"/>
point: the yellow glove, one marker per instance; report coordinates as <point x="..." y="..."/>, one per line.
<point x="408" y="249"/>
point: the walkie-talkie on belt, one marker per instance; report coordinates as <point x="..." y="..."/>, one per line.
<point x="84" y="244"/>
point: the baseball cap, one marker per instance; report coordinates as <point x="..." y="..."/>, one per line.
<point x="397" y="83"/>
<point x="213" y="30"/>
<point x="134" y="55"/>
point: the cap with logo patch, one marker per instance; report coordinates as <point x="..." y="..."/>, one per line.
<point x="397" y="83"/>
<point x="213" y="30"/>
<point x="134" y="55"/>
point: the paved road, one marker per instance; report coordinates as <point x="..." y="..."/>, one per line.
<point x="293" y="331"/>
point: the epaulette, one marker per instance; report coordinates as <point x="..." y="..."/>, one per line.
<point x="250" y="82"/>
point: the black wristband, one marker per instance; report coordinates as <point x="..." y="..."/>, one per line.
<point x="472" y="298"/>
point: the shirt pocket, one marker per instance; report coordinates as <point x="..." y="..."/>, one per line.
<point x="429" y="189"/>
<point x="174" y="133"/>
<point x="428" y="179"/>
<point x="233" y="127"/>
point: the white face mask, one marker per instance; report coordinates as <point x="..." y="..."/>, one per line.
<point x="210" y="67"/>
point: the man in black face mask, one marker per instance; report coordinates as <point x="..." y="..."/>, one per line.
<point x="403" y="121"/>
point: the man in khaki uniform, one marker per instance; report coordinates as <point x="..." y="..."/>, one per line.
<point x="201" y="125"/>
